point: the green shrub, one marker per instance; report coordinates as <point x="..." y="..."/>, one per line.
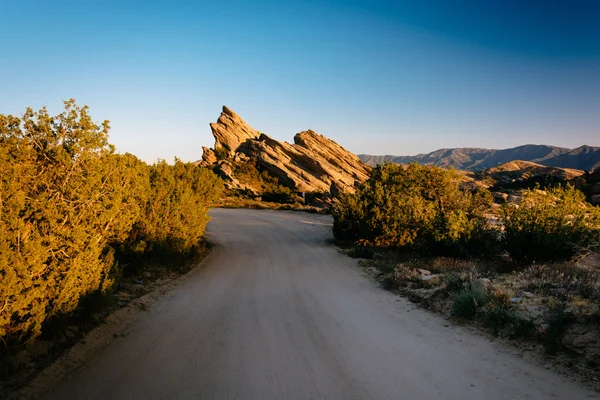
<point x="65" y="195"/>
<point x="550" y="225"/>
<point x="67" y="201"/>
<point x="453" y="281"/>
<point x="414" y="206"/>
<point x="221" y="153"/>
<point x="554" y="327"/>
<point x="499" y="315"/>
<point x="176" y="213"/>
<point x="280" y="194"/>
<point x="467" y="303"/>
<point x="388" y="283"/>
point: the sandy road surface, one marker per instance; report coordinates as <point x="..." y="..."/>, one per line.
<point x="279" y="314"/>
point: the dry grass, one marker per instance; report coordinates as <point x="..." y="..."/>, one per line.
<point x="442" y="265"/>
<point x="238" y="202"/>
<point x="575" y="279"/>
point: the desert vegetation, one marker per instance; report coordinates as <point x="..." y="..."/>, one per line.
<point x="75" y="216"/>
<point x="525" y="271"/>
<point x="264" y="191"/>
<point x="414" y="208"/>
<point x="425" y="210"/>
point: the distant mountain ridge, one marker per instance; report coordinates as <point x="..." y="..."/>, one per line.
<point x="585" y="157"/>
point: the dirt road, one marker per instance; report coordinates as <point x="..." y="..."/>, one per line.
<point x="277" y="313"/>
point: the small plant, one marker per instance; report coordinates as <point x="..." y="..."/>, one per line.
<point x="467" y="303"/>
<point x="221" y="153"/>
<point x="523" y="328"/>
<point x="554" y="327"/>
<point x="385" y="266"/>
<point x="500" y="297"/>
<point x="359" y="251"/>
<point x="388" y="282"/>
<point x="453" y="281"/>
<point x="405" y="273"/>
<point x="499" y="315"/>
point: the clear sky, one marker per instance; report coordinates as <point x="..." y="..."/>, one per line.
<point x="379" y="77"/>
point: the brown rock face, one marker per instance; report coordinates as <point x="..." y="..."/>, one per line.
<point x="230" y="131"/>
<point x="208" y="156"/>
<point x="312" y="164"/>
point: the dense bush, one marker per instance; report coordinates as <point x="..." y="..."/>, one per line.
<point x="175" y="215"/>
<point x="550" y="225"/>
<point x="66" y="198"/>
<point x="417" y="207"/>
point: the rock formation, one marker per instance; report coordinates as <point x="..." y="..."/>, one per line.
<point x="230" y="131"/>
<point x="312" y="164"/>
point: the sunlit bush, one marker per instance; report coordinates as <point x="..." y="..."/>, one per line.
<point x="417" y="207"/>
<point x="551" y="225"/>
<point x="67" y="200"/>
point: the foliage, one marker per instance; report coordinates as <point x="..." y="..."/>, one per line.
<point x="269" y="187"/>
<point x="550" y="225"/>
<point x="453" y="281"/>
<point x="554" y="327"/>
<point x="280" y="194"/>
<point x="176" y="213"/>
<point x="414" y="206"/>
<point x="467" y="303"/>
<point x="221" y="153"/>
<point x="500" y="315"/>
<point x="577" y="280"/>
<point x="67" y="199"/>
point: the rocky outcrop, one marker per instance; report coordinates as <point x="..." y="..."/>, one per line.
<point x="208" y="156"/>
<point x="230" y="131"/>
<point x="313" y="163"/>
<point x="224" y="170"/>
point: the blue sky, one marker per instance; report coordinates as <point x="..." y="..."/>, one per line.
<point x="379" y="77"/>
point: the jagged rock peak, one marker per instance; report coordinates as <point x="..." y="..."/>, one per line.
<point x="312" y="163"/>
<point x="230" y="131"/>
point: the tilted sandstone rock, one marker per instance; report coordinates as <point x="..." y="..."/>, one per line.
<point x="313" y="163"/>
<point x="208" y="156"/>
<point x="230" y="131"/>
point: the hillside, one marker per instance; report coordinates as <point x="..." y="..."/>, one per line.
<point x="520" y="174"/>
<point x="585" y="158"/>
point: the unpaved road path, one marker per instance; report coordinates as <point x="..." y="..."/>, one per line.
<point x="277" y="313"/>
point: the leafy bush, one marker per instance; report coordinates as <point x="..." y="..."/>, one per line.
<point x="176" y="213"/>
<point x="67" y="199"/>
<point x="414" y="206"/>
<point x="280" y="194"/>
<point x="550" y="225"/>
<point x="467" y="303"/>
<point x="453" y="281"/>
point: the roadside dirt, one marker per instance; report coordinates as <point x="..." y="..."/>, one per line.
<point x="278" y="313"/>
